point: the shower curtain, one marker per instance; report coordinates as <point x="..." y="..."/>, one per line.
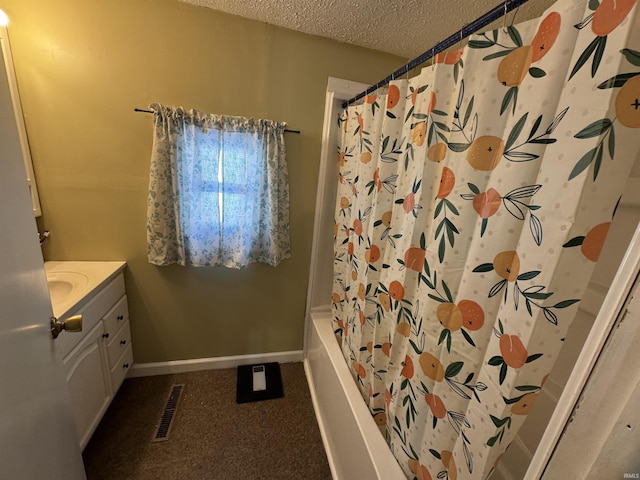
<point x="472" y="205"/>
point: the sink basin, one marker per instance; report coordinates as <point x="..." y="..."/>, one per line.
<point x="62" y="285"/>
<point x="71" y="282"/>
<point x="58" y="289"/>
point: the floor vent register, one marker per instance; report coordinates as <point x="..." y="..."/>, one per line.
<point x="170" y="409"/>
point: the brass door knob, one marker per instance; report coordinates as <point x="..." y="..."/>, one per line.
<point x="71" y="324"/>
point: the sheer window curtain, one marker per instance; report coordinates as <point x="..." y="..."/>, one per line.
<point x="218" y="190"/>
<point x="473" y="201"/>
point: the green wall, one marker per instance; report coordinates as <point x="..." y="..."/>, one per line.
<point x="82" y="67"/>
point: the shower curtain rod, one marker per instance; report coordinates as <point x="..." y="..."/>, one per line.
<point x="151" y="111"/>
<point x="493" y="14"/>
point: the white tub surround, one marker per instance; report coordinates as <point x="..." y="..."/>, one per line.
<point x="354" y="445"/>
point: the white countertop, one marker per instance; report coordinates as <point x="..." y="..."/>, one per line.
<point x="71" y="281"/>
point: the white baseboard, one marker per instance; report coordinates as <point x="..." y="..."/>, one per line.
<point x="213" y="363"/>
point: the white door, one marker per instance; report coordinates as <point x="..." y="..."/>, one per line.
<point x="38" y="439"/>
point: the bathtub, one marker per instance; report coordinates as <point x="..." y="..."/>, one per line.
<point x="355" y="448"/>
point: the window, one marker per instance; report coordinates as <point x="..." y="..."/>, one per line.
<point x="218" y="190"/>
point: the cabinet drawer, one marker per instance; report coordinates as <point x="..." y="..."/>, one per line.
<point x="118" y="344"/>
<point x="115" y="318"/>
<point x="120" y="369"/>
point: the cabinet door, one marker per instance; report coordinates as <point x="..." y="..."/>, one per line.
<point x="88" y="386"/>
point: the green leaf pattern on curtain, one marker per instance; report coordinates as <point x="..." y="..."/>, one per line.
<point x="463" y="195"/>
<point x="218" y="190"/>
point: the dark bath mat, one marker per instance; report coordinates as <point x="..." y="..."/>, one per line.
<point x="261" y="381"/>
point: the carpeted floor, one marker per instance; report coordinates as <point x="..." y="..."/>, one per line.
<point x="212" y="437"/>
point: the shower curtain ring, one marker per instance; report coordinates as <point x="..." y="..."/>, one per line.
<point x="504" y="17"/>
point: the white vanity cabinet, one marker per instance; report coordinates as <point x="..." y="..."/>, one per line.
<point x="97" y="360"/>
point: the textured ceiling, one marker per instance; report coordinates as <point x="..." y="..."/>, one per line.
<point x="402" y="27"/>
